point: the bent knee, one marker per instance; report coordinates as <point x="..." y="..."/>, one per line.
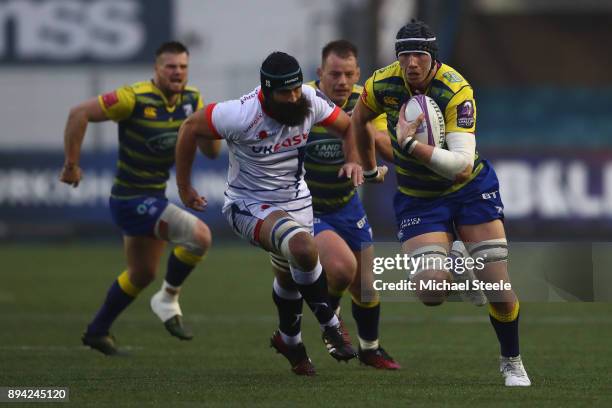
<point x="202" y="236"/>
<point x="303" y="250"/>
<point x="340" y="272"/>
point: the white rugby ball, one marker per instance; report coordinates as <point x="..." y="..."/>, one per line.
<point x="432" y="130"/>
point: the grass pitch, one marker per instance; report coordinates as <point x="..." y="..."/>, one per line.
<point x="449" y="354"/>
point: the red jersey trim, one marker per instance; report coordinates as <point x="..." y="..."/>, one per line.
<point x="208" y="113"/>
<point x="331" y="118"/>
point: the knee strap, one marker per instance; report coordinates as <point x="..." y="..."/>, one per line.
<point x="492" y="250"/>
<point x="427" y="258"/>
<point x="282" y="232"/>
<point x="180" y="227"/>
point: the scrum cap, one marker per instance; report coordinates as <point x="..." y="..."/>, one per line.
<point x="416" y="36"/>
<point x="280" y="71"/>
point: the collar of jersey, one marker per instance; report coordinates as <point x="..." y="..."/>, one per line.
<point x="161" y="94"/>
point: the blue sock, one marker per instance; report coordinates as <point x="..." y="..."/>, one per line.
<point x="177" y="271"/>
<point x="116" y="301"/>
<point x="508" y="336"/>
<point x="367" y="319"/>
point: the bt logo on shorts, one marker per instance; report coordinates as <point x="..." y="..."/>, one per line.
<point x="489" y="196"/>
<point x="147" y="206"/>
<point x="362" y="222"/>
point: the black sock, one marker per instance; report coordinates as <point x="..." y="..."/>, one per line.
<point x="508" y="336"/>
<point x="289" y="314"/>
<point x="367" y="319"/>
<point x="334" y="301"/>
<point x="317" y="299"/>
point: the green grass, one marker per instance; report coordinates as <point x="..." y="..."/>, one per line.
<point x="449" y="354"/>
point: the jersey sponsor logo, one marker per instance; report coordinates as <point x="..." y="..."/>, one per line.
<point x="327" y="151"/>
<point x="254" y="122"/>
<point x="465" y="114"/>
<point x="391" y="101"/>
<point x="162" y="143"/>
<point x="287" y="142"/>
<point x="247" y="97"/>
<point x="452" y="76"/>
<point x="188" y="109"/>
<point x="150" y="112"/>
<point x="110" y="99"/>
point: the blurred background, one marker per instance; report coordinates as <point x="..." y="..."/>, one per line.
<point x="540" y="70"/>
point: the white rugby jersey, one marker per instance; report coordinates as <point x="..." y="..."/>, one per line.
<point x="266" y="158"/>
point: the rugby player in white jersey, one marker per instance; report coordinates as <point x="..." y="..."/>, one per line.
<point x="267" y="201"/>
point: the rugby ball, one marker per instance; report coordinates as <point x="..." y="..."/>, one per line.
<point x="432" y="130"/>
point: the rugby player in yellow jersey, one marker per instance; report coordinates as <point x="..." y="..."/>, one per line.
<point x="149" y="115"/>
<point x="440" y="189"/>
<point x="342" y="232"/>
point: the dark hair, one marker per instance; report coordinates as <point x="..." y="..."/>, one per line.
<point x="172" y="47"/>
<point x="341" y="48"/>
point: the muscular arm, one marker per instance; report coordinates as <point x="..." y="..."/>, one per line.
<point x="194" y="132"/>
<point x="210" y="148"/>
<point x="351" y="169"/>
<point x="364" y="139"/>
<point x="342" y="126"/>
<point x="74" y="133"/>
<point x="382" y="143"/>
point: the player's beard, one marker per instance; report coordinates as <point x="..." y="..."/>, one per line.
<point x="288" y="113"/>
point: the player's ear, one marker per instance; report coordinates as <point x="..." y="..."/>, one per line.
<point x="358" y="74"/>
<point x="319" y="72"/>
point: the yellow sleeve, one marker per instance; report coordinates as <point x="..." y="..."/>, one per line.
<point x="200" y="102"/>
<point x="118" y="104"/>
<point x="380" y="123"/>
<point x="368" y="98"/>
<point x="460" y="113"/>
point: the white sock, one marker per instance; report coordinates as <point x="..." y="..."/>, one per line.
<point x="291" y="340"/>
<point x="368" y="345"/>
<point x="334" y="322"/>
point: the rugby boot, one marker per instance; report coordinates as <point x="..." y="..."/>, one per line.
<point x="337" y="346"/>
<point x="298" y="359"/>
<point x="513" y="371"/>
<point x="105" y="344"/>
<point x="378" y="358"/>
<point x="345" y="334"/>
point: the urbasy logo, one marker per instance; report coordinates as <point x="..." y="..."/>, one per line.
<point x="287" y="142"/>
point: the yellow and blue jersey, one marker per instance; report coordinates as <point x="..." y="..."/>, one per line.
<point x="386" y="91"/>
<point x="148" y="129"/>
<point x="324" y="158"/>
